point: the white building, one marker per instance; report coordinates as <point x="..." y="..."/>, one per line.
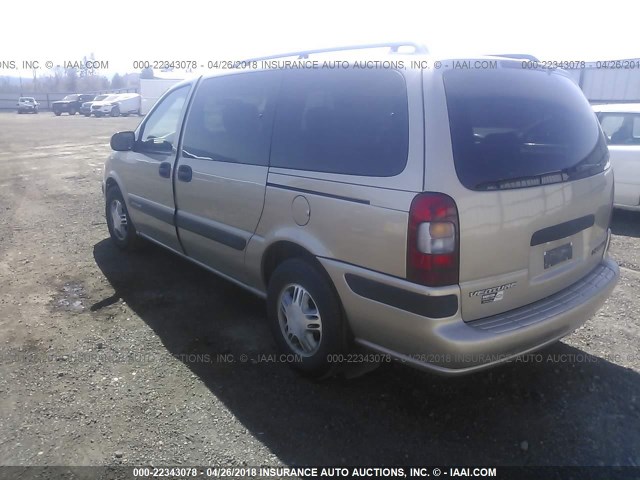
<point x="611" y="81"/>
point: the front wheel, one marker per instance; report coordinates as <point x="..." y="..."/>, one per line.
<point x="306" y="318"/>
<point x="72" y="111"/>
<point x="121" y="229"/>
<point x="115" y="111"/>
<point x="57" y="114"/>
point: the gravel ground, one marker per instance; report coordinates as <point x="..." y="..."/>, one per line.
<point x="109" y="358"/>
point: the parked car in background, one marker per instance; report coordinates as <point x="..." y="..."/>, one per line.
<point x="85" y="109"/>
<point x="70" y="104"/>
<point x="621" y="125"/>
<point x="27" y="105"/>
<point x="451" y="219"/>
<point x="118" y="104"/>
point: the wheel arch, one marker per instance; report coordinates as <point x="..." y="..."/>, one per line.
<point x="282" y="250"/>
<point x="112" y="179"/>
<point x="111" y="182"/>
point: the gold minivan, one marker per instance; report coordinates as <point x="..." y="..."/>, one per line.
<point x="451" y="214"/>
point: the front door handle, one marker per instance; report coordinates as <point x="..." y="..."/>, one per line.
<point x="185" y="173"/>
<point x="165" y="170"/>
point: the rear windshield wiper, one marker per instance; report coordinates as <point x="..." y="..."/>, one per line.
<point x="524" y="182"/>
<point x="584" y="168"/>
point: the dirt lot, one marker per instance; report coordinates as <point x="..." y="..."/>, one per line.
<point x="109" y="358"/>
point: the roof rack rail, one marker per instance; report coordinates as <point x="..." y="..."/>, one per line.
<point x="393" y="46"/>
<point x="517" y="56"/>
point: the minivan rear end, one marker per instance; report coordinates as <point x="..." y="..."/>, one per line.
<point x="531" y="181"/>
<point x="508" y="242"/>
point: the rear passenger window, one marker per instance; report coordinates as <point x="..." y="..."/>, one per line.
<point x="231" y="119"/>
<point x="352" y="122"/>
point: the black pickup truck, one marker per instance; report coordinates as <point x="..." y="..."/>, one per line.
<point x="70" y="104"/>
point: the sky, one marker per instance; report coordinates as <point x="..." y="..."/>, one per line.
<point x="123" y="32"/>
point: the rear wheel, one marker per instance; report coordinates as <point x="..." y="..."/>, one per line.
<point x="121" y="228"/>
<point x="57" y="114"/>
<point x="72" y="111"/>
<point x="306" y="318"/>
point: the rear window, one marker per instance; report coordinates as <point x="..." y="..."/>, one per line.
<point x="515" y="128"/>
<point x="352" y="122"/>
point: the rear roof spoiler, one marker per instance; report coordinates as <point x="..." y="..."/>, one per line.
<point x="393" y="48"/>
<point x="517" y="56"/>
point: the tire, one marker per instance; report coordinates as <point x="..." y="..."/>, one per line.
<point x="125" y="235"/>
<point x="72" y="111"/>
<point x="299" y="293"/>
<point x="87" y="115"/>
<point x="115" y="111"/>
<point x="57" y="114"/>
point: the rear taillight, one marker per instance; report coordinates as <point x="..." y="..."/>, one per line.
<point x="433" y="240"/>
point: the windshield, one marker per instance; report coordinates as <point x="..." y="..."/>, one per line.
<point x="100" y="97"/>
<point x="110" y="98"/>
<point x="514" y="128"/>
<point x="71" y="97"/>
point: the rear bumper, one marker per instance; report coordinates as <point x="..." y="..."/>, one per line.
<point x="389" y="324"/>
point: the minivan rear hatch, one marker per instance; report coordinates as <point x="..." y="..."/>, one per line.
<point x="535" y="191"/>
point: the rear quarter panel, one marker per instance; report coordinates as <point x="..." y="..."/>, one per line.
<point x="353" y="219"/>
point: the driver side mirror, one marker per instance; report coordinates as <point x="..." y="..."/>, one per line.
<point x="123" y="141"/>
